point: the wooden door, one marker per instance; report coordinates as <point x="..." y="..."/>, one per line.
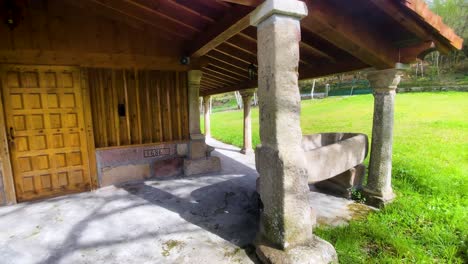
<point x="45" y="127"/>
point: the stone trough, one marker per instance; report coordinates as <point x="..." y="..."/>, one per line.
<point x="334" y="161"/>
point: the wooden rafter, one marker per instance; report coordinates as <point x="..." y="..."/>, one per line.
<point x="239" y="64"/>
<point x="235" y="53"/>
<point x="146" y="6"/>
<point x="356" y="38"/>
<point x="224" y="72"/>
<point x="405" y="20"/>
<point x="249" y="84"/>
<point x="134" y="12"/>
<point x="235" y="21"/>
<point x="229" y="68"/>
<point x="245" y="2"/>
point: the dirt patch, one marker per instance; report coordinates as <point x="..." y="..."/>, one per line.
<point x="170" y="245"/>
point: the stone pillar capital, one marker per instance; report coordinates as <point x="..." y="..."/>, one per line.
<point x="206" y="98"/>
<point x="194" y="76"/>
<point x="290" y="8"/>
<point x="247" y="93"/>
<point x="384" y="81"/>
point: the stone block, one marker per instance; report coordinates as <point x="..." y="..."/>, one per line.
<point x="344" y="183"/>
<point x="316" y="251"/>
<point x="197" y="149"/>
<point x="204" y="165"/>
<point x="124" y="173"/>
<point x="167" y="168"/>
<point x="182" y="149"/>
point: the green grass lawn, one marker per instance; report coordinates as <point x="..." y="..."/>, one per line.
<point x="427" y="223"/>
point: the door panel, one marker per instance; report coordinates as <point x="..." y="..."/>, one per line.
<point x="45" y="127"/>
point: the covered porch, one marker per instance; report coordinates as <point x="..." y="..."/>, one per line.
<point x="208" y="218"/>
<point x="98" y="93"/>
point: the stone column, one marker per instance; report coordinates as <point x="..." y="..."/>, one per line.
<point x="206" y="108"/>
<point x="198" y="159"/>
<point x="246" y="101"/>
<point x="285" y="234"/>
<point x="379" y="191"/>
<point x="194" y="79"/>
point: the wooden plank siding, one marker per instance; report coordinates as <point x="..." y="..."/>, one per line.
<point x="155" y="105"/>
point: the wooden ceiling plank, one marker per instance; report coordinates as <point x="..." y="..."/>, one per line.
<point x="343" y="31"/>
<point x="243" y="44"/>
<point x="182" y="8"/>
<point x="314" y="51"/>
<point x="422" y="9"/>
<point x="235" y="53"/>
<point x="403" y="19"/>
<point x="209" y="68"/>
<point x="235" y="21"/>
<point x="245" y="2"/>
<point x="228" y="72"/>
<point x="327" y="68"/>
<point x="231" y="88"/>
<point x="219" y="64"/>
<point x="234" y="62"/>
<point x="116" y="6"/>
<point x="217" y="78"/>
<point x="203" y="7"/>
<point x="207" y="84"/>
<point x="145" y="5"/>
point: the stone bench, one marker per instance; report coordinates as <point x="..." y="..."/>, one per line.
<point x="334" y="161"/>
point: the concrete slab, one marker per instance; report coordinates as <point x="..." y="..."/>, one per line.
<point x="202" y="219"/>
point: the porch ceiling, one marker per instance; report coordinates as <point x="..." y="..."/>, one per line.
<point x="337" y="36"/>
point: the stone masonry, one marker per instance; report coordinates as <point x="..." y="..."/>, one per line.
<point x="378" y="190"/>
<point x="285" y="234"/>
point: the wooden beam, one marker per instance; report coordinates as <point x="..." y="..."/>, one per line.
<point x="231" y="88"/>
<point x="244" y="44"/>
<point x="211" y="68"/>
<point x="239" y="64"/>
<point x="327" y="68"/>
<point x="245" y="2"/>
<point x="234" y="70"/>
<point x="231" y="24"/>
<point x="90" y="59"/>
<point x="134" y="12"/>
<point x="343" y="31"/>
<point x="419" y="7"/>
<point x="218" y="78"/>
<point x="323" y="68"/>
<point x="146" y="6"/>
<point x="235" y="53"/>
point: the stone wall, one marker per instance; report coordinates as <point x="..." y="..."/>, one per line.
<point x="458" y="88"/>
<point x="122" y="164"/>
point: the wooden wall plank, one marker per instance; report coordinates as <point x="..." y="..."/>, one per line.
<point x="149" y="120"/>
<point x="138" y="106"/>
<point x="155" y="105"/>
<point x="127" y="110"/>
<point x="115" y="103"/>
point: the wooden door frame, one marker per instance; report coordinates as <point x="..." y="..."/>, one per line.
<point x="5" y="155"/>
<point x="6" y="166"/>
<point x="89" y="130"/>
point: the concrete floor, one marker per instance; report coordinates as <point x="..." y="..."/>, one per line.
<point x="203" y="219"/>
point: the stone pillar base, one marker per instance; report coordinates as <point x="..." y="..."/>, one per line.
<point x="377" y="199"/>
<point x="247" y="151"/>
<point x="343" y="184"/>
<point x="204" y="165"/>
<point x="317" y="251"/>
